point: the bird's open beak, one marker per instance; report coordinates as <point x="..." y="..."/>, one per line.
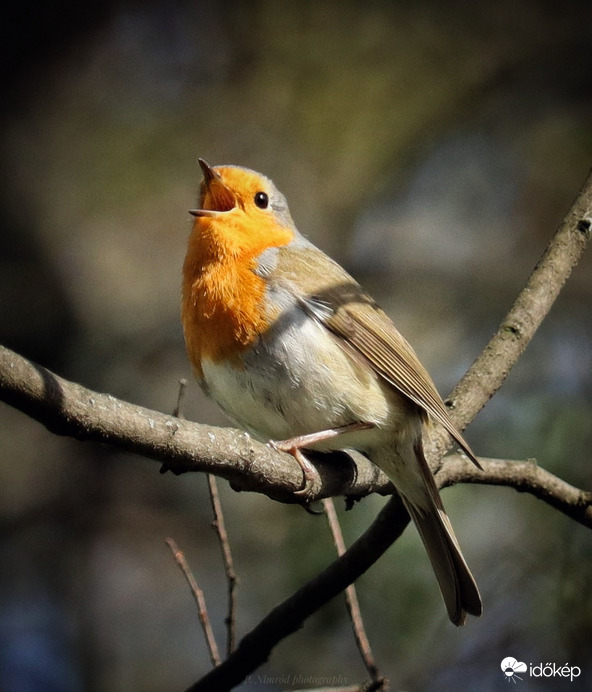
<point x="215" y="198"/>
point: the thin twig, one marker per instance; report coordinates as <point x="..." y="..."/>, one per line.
<point x="199" y="597"/>
<point x="351" y="596"/>
<point x="523" y="476"/>
<point x="256" y="646"/>
<point x="231" y="578"/>
<point x="178" y="410"/>
<point x="220" y="529"/>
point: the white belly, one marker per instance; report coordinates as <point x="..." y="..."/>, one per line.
<point x="298" y="380"/>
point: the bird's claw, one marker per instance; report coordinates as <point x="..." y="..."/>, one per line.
<point x="309" y="472"/>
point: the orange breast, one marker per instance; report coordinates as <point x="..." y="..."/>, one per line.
<point x="223" y="309"/>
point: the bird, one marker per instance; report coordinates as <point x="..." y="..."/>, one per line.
<point x="295" y="352"/>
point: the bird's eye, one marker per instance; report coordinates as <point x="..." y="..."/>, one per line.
<point x="262" y="200"/>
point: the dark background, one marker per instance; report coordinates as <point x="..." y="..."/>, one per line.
<point x="432" y="148"/>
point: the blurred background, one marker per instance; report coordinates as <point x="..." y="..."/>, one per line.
<point x="430" y="147"/>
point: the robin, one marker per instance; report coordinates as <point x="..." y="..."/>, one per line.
<point x="292" y="349"/>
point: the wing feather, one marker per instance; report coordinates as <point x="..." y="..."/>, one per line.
<point x="334" y="298"/>
<point x="371" y="332"/>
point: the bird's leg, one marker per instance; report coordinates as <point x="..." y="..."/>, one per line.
<point x="293" y="445"/>
<point x="310" y="439"/>
<point x="309" y="473"/>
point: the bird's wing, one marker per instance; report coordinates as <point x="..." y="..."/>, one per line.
<point x="369" y="330"/>
<point x="337" y="301"/>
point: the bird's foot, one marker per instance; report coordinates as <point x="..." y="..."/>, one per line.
<point x="293" y="445"/>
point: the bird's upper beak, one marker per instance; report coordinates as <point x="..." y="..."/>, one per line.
<point x="215" y="198"/>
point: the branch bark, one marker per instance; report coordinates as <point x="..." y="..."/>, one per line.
<point x="523" y="476"/>
<point x="67" y="408"/>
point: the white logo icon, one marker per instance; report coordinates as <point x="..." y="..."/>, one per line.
<point x="511" y="667"/>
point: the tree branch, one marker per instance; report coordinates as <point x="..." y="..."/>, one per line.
<point x="490" y="369"/>
<point x="199" y="597"/>
<point x="67" y="408"/>
<point x="351" y="597"/>
<point x="523" y="476"/>
<point x="231" y="579"/>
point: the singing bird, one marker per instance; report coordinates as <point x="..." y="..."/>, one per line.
<point x="293" y="350"/>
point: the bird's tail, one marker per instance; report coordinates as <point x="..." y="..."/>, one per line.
<point x="458" y="587"/>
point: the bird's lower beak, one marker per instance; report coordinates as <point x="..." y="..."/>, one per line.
<point x="215" y="198"/>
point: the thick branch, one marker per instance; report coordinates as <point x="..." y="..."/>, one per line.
<point x="66" y="408"/>
<point x="70" y="409"/>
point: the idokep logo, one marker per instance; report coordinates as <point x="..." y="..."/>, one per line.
<point x="514" y="670"/>
<point x="512" y="667"/>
